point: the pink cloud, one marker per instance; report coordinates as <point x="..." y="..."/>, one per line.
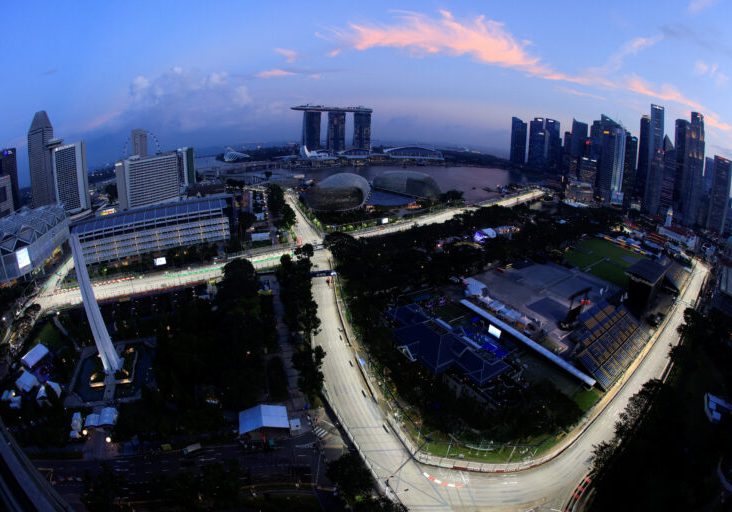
<point x="289" y="55"/>
<point x="486" y="40"/>
<point x="670" y="93"/>
<point x="273" y="73"/>
<point x="575" y="92"/>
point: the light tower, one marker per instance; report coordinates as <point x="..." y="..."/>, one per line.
<point x="110" y="360"/>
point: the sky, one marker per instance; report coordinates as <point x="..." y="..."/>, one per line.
<point x="217" y="73"/>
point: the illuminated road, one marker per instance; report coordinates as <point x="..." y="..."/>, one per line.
<point x="544" y="487"/>
<point x="53" y="299"/>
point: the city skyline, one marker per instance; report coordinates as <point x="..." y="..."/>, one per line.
<point x="450" y="76"/>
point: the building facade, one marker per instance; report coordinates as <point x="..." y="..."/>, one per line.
<point x="139" y="142"/>
<point x="644" y="156"/>
<point x="39" y="160"/>
<point x="156" y="229"/>
<point x="518" y="141"/>
<point x="187" y="166"/>
<point x="719" y="196"/>
<point x="657" y="128"/>
<point x="612" y="164"/>
<point x="28" y="237"/>
<point x="336" y="131"/>
<point x="311" y="130"/>
<point x="6" y="195"/>
<point x="9" y="167"/>
<point x="147" y="181"/>
<point x="362" y="130"/>
<point x="689" y="187"/>
<point x="70" y="177"/>
<point x="629" y="168"/>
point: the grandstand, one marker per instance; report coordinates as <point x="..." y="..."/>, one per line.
<point x="609" y="339"/>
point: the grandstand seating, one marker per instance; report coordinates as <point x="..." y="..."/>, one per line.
<point x="610" y="339"/>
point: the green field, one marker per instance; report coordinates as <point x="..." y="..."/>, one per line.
<point x="602" y="259"/>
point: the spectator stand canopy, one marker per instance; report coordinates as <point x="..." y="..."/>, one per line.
<point x="263" y="416"/>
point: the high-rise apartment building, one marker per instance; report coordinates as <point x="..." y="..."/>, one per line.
<point x="187" y="166"/>
<point x="518" y="141"/>
<point x="336" y="131"/>
<point x="9" y="167"/>
<point x="151" y="180"/>
<point x="719" y="196"/>
<point x="71" y="177"/>
<point x="362" y="130"/>
<point x="39" y="160"/>
<point x="139" y="142"/>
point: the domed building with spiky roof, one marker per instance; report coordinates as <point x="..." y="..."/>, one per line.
<point x="408" y="183"/>
<point x="339" y="193"/>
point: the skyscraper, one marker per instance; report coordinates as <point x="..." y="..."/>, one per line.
<point x="708" y="173"/>
<point x="9" y="167"/>
<point x="336" y="131"/>
<point x="629" y="169"/>
<point x="311" y="129"/>
<point x="139" y="142"/>
<point x="689" y="169"/>
<point x="6" y="195"/>
<point x="587" y="170"/>
<point x="187" y="166"/>
<point x="151" y="180"/>
<point x="554" y="151"/>
<point x="577" y="140"/>
<point x="644" y="155"/>
<point x="611" y="165"/>
<point x="518" y="141"/>
<point x="669" y="177"/>
<point x="70" y="177"/>
<point x="362" y="130"/>
<point x="657" y="128"/>
<point x="719" y="196"/>
<point x="39" y="161"/>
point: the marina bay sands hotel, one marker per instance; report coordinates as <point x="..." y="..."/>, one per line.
<point x="336" y="140"/>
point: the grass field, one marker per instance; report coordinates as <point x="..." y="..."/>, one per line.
<point x="602" y="259"/>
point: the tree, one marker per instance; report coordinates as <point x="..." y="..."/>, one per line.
<point x="111" y="191"/>
<point x="306" y="251"/>
<point x="308" y="362"/>
<point x="287" y="217"/>
<point x="101" y="490"/>
<point x="351" y="475"/>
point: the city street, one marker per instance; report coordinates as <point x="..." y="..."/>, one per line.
<point x="437" y="485"/>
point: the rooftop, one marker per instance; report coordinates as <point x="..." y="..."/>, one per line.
<point x="647" y="270"/>
<point x="267" y="416"/>
<point x="321" y="108"/>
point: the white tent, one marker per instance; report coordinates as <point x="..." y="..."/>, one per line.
<point x="267" y="416"/>
<point x="26" y="382"/>
<point x="34" y="356"/>
<point x="474" y="288"/>
<point x="76" y="421"/>
<point x="91" y="421"/>
<point x="55" y="387"/>
<point x="108" y="417"/>
<point x="16" y="402"/>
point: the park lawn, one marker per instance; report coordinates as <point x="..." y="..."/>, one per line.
<point x="586" y="398"/>
<point x="50" y="337"/>
<point x="611" y="273"/>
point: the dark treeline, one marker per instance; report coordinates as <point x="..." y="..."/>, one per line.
<point x="664" y="447"/>
<point x="378" y="270"/>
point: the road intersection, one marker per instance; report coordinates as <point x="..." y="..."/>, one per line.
<point x="436" y="484"/>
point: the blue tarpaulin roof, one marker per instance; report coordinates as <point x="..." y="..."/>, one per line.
<point x="268" y="416"/>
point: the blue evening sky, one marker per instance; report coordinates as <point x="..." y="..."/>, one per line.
<point x="216" y="73"/>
